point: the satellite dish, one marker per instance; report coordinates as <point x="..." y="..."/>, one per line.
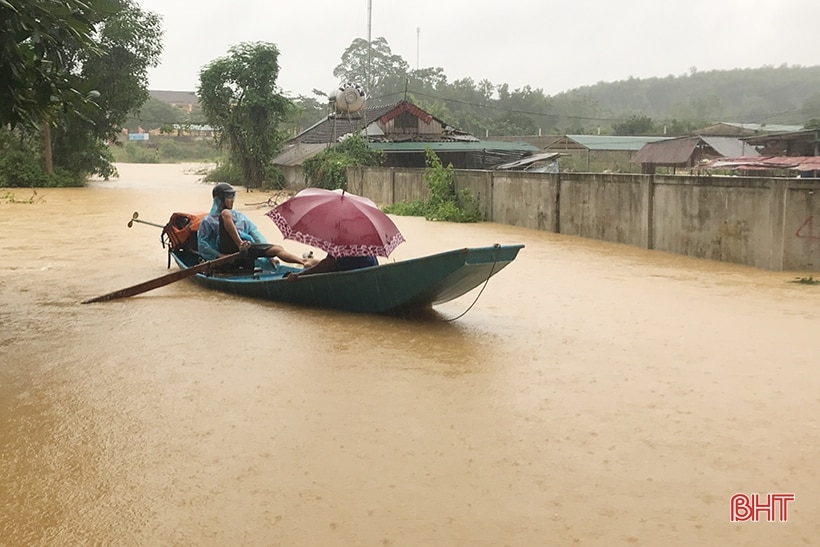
<point x="349" y="97"/>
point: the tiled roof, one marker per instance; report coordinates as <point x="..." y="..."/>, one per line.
<point x="335" y="126"/>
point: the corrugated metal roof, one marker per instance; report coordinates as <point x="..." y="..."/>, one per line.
<point x="804" y="134"/>
<point x="668" y="152"/>
<point x="797" y="163"/>
<point x="529" y="160"/>
<point x="602" y="142"/>
<point x="729" y="146"/>
<point x="412" y="146"/>
<point x="679" y="151"/>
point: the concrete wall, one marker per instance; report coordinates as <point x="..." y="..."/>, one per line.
<point x="801" y="226"/>
<point x="720" y="218"/>
<point x="602" y="206"/>
<point x="511" y="189"/>
<point x="762" y="222"/>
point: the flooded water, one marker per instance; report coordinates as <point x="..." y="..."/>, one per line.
<point x="595" y="394"/>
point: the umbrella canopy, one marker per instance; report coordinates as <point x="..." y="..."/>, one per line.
<point x="337" y="222"/>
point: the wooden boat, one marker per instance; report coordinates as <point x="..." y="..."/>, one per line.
<point x="393" y="287"/>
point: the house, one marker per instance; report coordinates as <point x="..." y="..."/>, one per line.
<point x="732" y="129"/>
<point x="598" y="152"/>
<point x="789" y="154"/>
<point x="689" y="152"/>
<point x="404" y="132"/>
<point x="793" y="143"/>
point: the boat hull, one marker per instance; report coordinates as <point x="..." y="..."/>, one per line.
<point x="393" y="287"/>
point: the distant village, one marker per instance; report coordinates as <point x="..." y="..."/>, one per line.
<point x="403" y="131"/>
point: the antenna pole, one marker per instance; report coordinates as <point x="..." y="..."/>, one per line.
<point x="418" y="38"/>
<point x="369" y="43"/>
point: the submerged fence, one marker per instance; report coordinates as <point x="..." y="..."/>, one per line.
<point x="763" y="222"/>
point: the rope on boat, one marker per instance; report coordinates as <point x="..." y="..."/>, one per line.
<point x="492" y="271"/>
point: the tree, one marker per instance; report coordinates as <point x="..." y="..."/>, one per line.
<point x="128" y="42"/>
<point x="75" y="69"/>
<point x="37" y="39"/>
<point x="374" y="66"/>
<point x="328" y="169"/>
<point x="242" y="102"/>
<point x="635" y="125"/>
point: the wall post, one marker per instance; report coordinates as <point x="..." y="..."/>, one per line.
<point x="777" y="218"/>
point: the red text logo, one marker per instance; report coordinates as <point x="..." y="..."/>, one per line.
<point x="757" y="507"/>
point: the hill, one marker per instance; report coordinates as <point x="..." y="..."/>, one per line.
<point x="782" y="95"/>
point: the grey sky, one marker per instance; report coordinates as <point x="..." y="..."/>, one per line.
<point x="546" y="44"/>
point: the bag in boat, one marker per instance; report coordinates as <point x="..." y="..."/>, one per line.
<point x="180" y="232"/>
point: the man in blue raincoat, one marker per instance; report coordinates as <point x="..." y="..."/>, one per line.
<point x="226" y="231"/>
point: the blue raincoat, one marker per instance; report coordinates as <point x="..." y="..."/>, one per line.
<point x="208" y="233"/>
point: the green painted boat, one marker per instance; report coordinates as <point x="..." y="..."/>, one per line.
<point x="394" y="287"/>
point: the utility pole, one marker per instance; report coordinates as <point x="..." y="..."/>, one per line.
<point x="418" y="39"/>
<point x="369" y="45"/>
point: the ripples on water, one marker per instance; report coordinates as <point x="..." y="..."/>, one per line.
<point x="595" y="393"/>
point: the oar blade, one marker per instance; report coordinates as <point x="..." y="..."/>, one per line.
<point x="166" y="279"/>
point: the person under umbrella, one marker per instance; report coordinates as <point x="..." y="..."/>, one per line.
<point x="225" y="231"/>
<point x="350" y="228"/>
<point x="331" y="263"/>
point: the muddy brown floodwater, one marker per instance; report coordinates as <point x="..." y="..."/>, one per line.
<point x="596" y="394"/>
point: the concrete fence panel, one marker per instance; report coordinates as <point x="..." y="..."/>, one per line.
<point x="528" y="200"/>
<point x="377" y="184"/>
<point x="610" y="207"/>
<point x="801" y="241"/>
<point x="480" y="185"/>
<point x="720" y="218"/>
<point x="763" y="222"/>
<point x="409" y="186"/>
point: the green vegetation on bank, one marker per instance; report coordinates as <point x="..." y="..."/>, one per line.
<point x="167" y="149"/>
<point x="72" y="71"/>
<point x="328" y="169"/>
<point x="445" y="203"/>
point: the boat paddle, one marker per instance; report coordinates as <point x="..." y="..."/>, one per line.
<point x="135" y="218"/>
<point x="167" y="279"/>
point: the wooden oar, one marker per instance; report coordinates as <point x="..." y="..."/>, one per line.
<point x="164" y="280"/>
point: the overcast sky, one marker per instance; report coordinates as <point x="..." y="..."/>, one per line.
<point x="554" y="46"/>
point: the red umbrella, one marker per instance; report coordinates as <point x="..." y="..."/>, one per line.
<point x="337" y="222"/>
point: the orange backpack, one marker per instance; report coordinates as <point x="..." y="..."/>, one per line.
<point x="180" y="232"/>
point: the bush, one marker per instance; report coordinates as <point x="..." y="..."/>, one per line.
<point x="444" y="203"/>
<point x="22" y="164"/>
<point x="328" y="169"/>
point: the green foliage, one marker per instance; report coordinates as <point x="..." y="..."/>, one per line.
<point x="38" y="42"/>
<point x="166" y="149"/>
<point x="91" y="59"/>
<point x="806" y="281"/>
<point x="682" y="104"/>
<point x="22" y="164"/>
<point x="635" y="125"/>
<point x="328" y="169"/>
<point x="240" y="100"/>
<point x="154" y="114"/>
<point x="225" y="171"/>
<point x="407" y="208"/>
<point x="445" y="203"/>
<point x="387" y="73"/>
